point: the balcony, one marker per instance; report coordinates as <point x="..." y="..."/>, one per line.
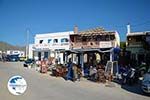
<point x="135" y="44"/>
<point x="92" y="44"/>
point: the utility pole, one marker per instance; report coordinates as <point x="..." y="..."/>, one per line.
<point x="27" y="43"/>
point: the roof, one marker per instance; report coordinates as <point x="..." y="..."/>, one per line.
<point x="95" y="31"/>
<point x="54" y="34"/>
<point x="138" y="33"/>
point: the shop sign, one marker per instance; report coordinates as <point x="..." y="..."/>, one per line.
<point x="48" y="46"/>
<point x="40" y="47"/>
<point x="106" y="44"/>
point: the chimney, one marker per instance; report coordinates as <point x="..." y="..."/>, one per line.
<point x="128" y="28"/>
<point x="75" y="29"/>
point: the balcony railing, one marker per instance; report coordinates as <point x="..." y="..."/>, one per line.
<point x="135" y="44"/>
<point x="93" y="44"/>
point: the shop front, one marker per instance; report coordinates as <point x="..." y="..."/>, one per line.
<point x="93" y="47"/>
<point x="40" y="51"/>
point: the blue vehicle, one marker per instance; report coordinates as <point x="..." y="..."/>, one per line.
<point x="12" y="58"/>
<point x="146" y="82"/>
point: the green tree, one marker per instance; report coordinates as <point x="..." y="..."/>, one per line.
<point x="123" y="45"/>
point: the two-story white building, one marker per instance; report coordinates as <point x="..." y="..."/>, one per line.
<point x="50" y="45"/>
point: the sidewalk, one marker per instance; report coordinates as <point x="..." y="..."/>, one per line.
<point x="87" y="83"/>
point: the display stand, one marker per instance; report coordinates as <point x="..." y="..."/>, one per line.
<point x="43" y="68"/>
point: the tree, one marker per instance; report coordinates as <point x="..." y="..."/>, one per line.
<point x="123" y="45"/>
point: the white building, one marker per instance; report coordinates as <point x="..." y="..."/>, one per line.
<point x="50" y="45"/>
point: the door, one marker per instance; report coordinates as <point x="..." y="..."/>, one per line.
<point x="46" y="55"/>
<point x="39" y="55"/>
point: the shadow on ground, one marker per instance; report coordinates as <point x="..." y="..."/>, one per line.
<point x="135" y="88"/>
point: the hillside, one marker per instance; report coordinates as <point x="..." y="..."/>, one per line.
<point x="5" y="46"/>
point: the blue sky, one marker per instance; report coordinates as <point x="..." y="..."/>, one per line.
<point x="41" y="16"/>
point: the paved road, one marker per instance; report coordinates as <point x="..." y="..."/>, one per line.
<point x="45" y="87"/>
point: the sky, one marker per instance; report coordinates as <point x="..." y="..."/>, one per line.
<point x="43" y="16"/>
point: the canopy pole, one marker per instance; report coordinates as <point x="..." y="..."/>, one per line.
<point x="82" y="62"/>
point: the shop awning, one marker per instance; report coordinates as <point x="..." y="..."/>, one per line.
<point x="95" y="49"/>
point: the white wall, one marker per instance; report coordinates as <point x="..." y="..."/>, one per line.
<point x="51" y="45"/>
<point x="47" y="36"/>
<point x="30" y="51"/>
<point x="52" y="36"/>
<point x="117" y="39"/>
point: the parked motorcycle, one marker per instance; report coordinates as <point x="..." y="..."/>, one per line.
<point x="130" y="76"/>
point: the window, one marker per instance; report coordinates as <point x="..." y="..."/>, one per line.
<point x="46" y="55"/>
<point x="103" y="38"/>
<point x="49" y="40"/>
<point x="72" y="38"/>
<point x="41" y="41"/>
<point x="112" y="37"/>
<point x="84" y="39"/>
<point x="98" y="38"/>
<point x="64" y="40"/>
<point x="106" y="37"/>
<point x="138" y="38"/>
<point x="55" y="41"/>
